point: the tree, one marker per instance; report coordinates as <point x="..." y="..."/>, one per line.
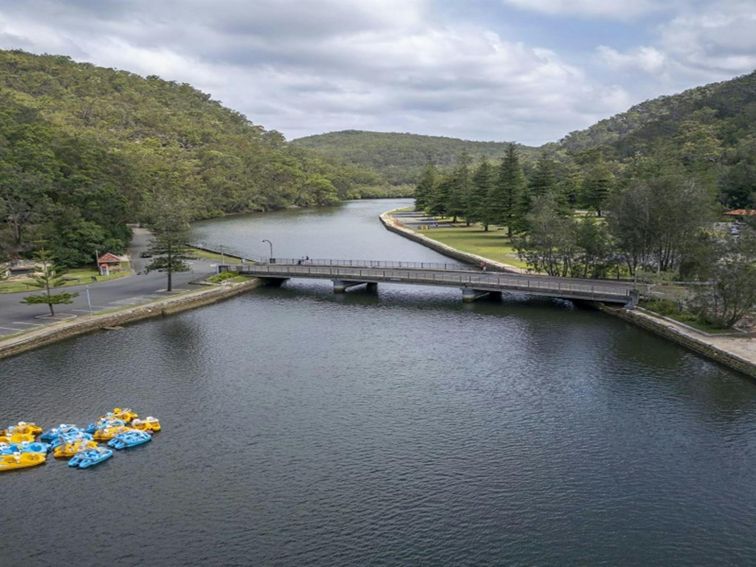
<point x="505" y="197"/>
<point x="458" y="202"/>
<point x="549" y="245"/>
<point x="425" y="187"/>
<point x="597" y="185"/>
<point x="732" y="292"/>
<point x="484" y="180"/>
<point x="170" y="228"/>
<point x="50" y="276"/>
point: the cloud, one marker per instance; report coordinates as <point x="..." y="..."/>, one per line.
<point x="710" y="43"/>
<point x="648" y="59"/>
<point x="309" y="66"/>
<point x="606" y="9"/>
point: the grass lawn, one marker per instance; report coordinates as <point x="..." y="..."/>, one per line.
<point x="493" y="244"/>
<point x="213" y="257"/>
<point x="75" y="276"/>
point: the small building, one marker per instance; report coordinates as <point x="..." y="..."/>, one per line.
<point x="109" y="263"/>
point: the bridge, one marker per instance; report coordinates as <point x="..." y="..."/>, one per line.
<point x="473" y="282"/>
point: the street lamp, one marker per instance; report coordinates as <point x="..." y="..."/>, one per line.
<point x="270" y="258"/>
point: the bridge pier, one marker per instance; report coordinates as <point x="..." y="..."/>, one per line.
<point x="469" y="294"/>
<point x="274" y="282"/>
<point x="340" y="286"/>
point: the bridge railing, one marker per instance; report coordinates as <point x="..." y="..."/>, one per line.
<point x="473" y="279"/>
<point x="388" y="264"/>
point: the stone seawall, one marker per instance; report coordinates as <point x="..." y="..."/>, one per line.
<point x="681" y="336"/>
<point x="89" y="323"/>
<point x="392" y="225"/>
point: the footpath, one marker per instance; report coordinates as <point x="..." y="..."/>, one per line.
<point x="734" y="350"/>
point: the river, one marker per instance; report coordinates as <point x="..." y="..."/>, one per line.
<point x="303" y="427"/>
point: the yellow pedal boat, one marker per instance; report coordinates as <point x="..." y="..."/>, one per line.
<point x="108" y="433"/>
<point x="21" y="461"/>
<point x="22" y="427"/>
<point x="126" y="414"/>
<point x="68" y="450"/>
<point x="149" y="423"/>
<point x="13" y="437"/>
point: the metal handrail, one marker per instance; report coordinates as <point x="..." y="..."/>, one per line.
<point x="466" y="279"/>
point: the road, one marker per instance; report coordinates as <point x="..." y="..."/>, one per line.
<point x="131" y="290"/>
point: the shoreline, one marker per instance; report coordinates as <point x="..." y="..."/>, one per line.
<point x="734" y="353"/>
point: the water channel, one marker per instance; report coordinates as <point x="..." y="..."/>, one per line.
<point x="307" y="428"/>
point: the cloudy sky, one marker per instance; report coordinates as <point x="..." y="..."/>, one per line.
<point x="525" y="70"/>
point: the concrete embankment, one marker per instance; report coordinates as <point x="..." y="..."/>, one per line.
<point x="89" y="323"/>
<point x="737" y="353"/>
<point x="393" y="225"/>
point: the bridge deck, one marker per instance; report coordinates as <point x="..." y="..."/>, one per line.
<point x="447" y="275"/>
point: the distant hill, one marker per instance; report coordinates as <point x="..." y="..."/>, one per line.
<point x="729" y="107"/>
<point x="399" y="157"/>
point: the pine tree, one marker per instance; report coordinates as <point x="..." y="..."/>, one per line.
<point x="50" y="276"/>
<point x="170" y="229"/>
<point x="461" y="186"/>
<point x="425" y="188"/>
<point x="504" y="200"/>
<point x="597" y="185"/>
<point x="484" y="181"/>
<point x="542" y="181"/>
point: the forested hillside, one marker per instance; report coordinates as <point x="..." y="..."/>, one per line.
<point x="84" y="150"/>
<point x="400" y="158"/>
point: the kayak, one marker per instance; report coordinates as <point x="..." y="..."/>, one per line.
<point x="105" y="422"/>
<point x="90" y="457"/>
<point x="21" y="461"/>
<point x="149" y="423"/>
<point x="131" y="438"/>
<point x="68" y="450"/>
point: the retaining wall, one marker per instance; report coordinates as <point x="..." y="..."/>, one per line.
<point x="669" y="331"/>
<point x="393" y="225"/>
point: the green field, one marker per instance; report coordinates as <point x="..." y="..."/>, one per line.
<point x="493" y="244"/>
<point x="213" y="257"/>
<point x="75" y="276"/>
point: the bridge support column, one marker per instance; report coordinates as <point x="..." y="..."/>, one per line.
<point x="274" y="282"/>
<point x="469" y="294"/>
<point x="340" y="286"/>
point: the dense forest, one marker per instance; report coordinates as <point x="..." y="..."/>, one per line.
<point x="398" y="157"/>
<point x="85" y="150"/>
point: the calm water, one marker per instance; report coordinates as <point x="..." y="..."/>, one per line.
<point x="404" y="428"/>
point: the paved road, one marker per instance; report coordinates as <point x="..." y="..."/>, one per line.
<point x="130" y="290"/>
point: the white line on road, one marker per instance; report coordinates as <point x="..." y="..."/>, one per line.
<point x="12" y="329"/>
<point x="22" y="323"/>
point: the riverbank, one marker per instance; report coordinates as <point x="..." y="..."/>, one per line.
<point x="62" y="330"/>
<point x="391" y="223"/>
<point x="736" y="352"/>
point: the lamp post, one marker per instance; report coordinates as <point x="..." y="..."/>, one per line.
<point x="271" y="248"/>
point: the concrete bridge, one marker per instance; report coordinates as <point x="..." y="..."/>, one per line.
<point x="473" y="282"/>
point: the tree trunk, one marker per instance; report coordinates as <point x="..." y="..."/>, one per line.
<point x="52" y="311"/>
